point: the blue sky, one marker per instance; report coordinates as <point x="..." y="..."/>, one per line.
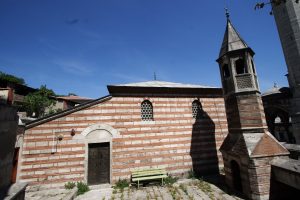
<point x="81" y="46"/>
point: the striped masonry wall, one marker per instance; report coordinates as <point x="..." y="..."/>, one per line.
<point x="174" y="139"/>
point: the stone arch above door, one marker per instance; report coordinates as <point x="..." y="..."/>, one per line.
<point x="114" y="133"/>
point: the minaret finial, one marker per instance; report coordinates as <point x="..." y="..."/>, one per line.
<point x="227" y="13"/>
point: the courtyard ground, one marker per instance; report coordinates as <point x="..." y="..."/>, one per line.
<point x="183" y="189"/>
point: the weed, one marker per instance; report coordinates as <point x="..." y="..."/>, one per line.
<point x="192" y="174"/>
<point x="170" y="180"/>
<point x="82" y="188"/>
<point x="113" y="197"/>
<point x="121" y="184"/>
<point x="172" y="191"/>
<point x="70" y="185"/>
<point x="205" y="187"/>
<point x="129" y="191"/>
<point x="115" y="191"/>
<point x="183" y="188"/>
<point x="122" y="196"/>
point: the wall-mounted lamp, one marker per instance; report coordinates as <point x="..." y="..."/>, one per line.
<point x="73" y="132"/>
<point x="60" y="137"/>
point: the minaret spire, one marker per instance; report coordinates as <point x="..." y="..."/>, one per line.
<point x="227" y="13"/>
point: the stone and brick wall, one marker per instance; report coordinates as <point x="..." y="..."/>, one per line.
<point x="8" y="132"/>
<point x="245" y="111"/>
<point x="174" y="139"/>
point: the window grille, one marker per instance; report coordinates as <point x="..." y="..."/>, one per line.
<point x="147" y="111"/>
<point x="196" y="109"/>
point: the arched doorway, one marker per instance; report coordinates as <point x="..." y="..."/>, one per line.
<point x="236" y="176"/>
<point x="98" y="153"/>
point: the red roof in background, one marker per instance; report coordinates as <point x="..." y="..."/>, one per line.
<point x="73" y="97"/>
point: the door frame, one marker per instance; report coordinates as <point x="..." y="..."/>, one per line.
<point x="98" y="133"/>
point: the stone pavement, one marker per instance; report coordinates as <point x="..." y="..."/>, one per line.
<point x="41" y="193"/>
<point x="185" y="189"/>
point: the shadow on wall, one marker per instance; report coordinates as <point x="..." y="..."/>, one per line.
<point x="203" y="146"/>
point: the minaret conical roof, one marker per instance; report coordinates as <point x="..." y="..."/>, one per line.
<point x="232" y="40"/>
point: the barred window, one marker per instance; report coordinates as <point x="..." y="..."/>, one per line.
<point x="147" y="111"/>
<point x="196" y="109"/>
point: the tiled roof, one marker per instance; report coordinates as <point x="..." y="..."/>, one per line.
<point x="73" y="97"/>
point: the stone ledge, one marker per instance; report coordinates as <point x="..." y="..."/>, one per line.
<point x="16" y="191"/>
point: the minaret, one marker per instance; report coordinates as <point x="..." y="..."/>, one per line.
<point x="287" y="17"/>
<point x="248" y="148"/>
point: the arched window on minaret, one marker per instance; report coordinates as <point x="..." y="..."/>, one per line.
<point x="240" y="66"/>
<point x="226" y="73"/>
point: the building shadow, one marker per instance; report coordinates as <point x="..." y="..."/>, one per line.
<point x="203" y="146"/>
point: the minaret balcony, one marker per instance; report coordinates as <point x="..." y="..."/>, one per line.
<point x="245" y="82"/>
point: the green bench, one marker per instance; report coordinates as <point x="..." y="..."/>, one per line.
<point x="148" y="174"/>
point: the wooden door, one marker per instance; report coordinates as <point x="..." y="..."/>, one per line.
<point x="98" y="163"/>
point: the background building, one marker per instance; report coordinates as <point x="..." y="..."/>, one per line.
<point x="287" y="17"/>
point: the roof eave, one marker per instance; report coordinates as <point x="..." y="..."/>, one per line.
<point x="66" y="112"/>
<point x="162" y="91"/>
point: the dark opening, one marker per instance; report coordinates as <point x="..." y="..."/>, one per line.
<point x="236" y="176"/>
<point x="240" y="67"/>
<point x="15" y="165"/>
<point x="226" y="72"/>
<point x="253" y="68"/>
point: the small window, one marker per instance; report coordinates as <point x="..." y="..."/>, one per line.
<point x="196" y="109"/>
<point x="147" y="111"/>
<point x="240" y="67"/>
<point x="226" y="72"/>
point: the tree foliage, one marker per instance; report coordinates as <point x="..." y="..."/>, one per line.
<point x="36" y="103"/>
<point x="11" y="78"/>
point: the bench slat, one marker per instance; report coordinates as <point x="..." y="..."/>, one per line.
<point x="146" y="175"/>
<point x="144" y="170"/>
<point x="149" y="172"/>
<point x="149" y="178"/>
